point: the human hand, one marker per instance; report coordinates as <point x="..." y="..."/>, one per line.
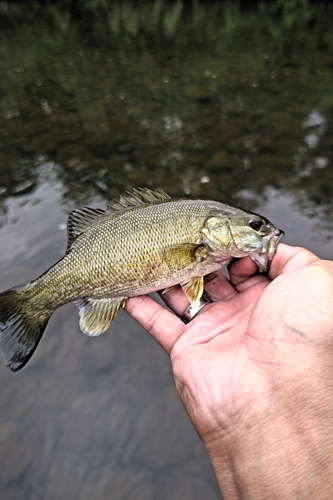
<point x="254" y="370"/>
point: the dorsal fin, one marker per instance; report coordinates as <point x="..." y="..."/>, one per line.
<point x="81" y="218"/>
<point x="139" y="197"/>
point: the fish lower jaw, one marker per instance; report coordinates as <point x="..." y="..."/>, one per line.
<point x="263" y="261"/>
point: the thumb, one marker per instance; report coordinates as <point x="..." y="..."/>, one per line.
<point x="288" y="259"/>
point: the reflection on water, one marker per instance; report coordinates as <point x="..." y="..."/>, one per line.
<point x="203" y="100"/>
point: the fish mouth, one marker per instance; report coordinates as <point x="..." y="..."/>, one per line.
<point x="278" y="235"/>
<point x="263" y="259"/>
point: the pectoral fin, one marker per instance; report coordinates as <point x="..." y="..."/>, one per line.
<point x="96" y="314"/>
<point x="194" y="289"/>
<point x="179" y="257"/>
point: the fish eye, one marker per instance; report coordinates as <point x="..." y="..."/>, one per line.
<point x="255" y="224"/>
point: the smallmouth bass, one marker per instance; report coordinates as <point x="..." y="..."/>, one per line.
<point x="141" y="243"/>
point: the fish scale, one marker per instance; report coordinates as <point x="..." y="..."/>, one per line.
<point x="141" y="243"/>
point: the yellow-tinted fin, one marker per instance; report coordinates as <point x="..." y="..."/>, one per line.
<point x="96" y="314"/>
<point x="194" y="289"/>
<point x="179" y="257"/>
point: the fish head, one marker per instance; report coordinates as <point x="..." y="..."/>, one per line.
<point x="241" y="235"/>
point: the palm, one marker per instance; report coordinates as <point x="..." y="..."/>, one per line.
<point x="214" y="368"/>
<point x="238" y="348"/>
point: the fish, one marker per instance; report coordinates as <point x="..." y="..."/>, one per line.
<point x="142" y="242"/>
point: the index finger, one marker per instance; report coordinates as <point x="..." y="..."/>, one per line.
<point x="162" y="324"/>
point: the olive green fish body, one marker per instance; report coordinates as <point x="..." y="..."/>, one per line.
<point x="129" y="253"/>
<point x="143" y="242"/>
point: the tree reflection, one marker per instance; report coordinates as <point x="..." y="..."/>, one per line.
<point x="202" y="99"/>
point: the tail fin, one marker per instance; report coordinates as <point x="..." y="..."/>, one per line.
<point x="21" y="327"/>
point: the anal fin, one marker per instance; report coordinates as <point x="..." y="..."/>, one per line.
<point x="96" y="314"/>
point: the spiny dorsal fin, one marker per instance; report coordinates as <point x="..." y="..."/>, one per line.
<point x="79" y="220"/>
<point x="139" y="197"/>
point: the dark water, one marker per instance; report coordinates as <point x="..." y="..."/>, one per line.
<point x="197" y="99"/>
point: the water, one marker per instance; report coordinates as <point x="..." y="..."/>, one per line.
<point x="201" y="100"/>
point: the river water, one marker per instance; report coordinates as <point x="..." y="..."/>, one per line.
<point x="198" y="99"/>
